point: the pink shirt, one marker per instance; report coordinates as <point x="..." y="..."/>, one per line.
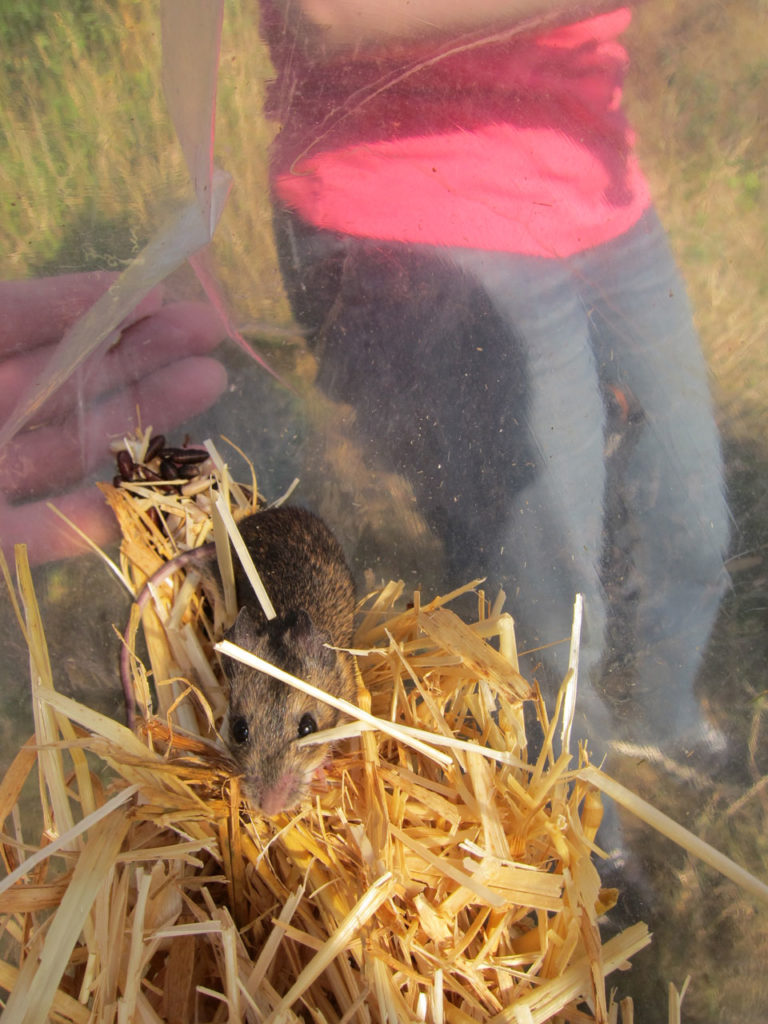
<point x="517" y="145"/>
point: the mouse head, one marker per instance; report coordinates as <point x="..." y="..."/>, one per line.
<point x="267" y="716"/>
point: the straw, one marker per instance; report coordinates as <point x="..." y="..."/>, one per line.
<point x="435" y="873"/>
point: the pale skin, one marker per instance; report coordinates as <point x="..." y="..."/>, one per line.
<point x="336" y="26"/>
<point x="159" y="365"/>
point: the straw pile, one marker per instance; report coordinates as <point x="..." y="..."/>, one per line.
<point x="435" y="875"/>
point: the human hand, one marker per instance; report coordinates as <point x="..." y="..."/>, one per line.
<point x="159" y="367"/>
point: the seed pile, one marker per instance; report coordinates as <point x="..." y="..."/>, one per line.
<point x="171" y="471"/>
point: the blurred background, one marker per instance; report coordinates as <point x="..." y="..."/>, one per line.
<point x="90" y="168"/>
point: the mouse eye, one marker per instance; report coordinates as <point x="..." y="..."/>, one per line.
<point x="307" y="724"/>
<point x="238" y="729"/>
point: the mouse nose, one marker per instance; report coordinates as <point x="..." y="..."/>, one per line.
<point x="281" y="796"/>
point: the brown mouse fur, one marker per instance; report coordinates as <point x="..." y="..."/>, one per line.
<point x="307" y="579"/>
<point x="310" y="586"/>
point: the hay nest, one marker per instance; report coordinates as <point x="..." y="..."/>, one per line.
<point x="436" y="874"/>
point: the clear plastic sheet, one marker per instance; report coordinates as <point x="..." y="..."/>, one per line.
<point x="432" y="396"/>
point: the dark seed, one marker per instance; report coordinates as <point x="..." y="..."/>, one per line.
<point x="155" y="446"/>
<point x="185" y="456"/>
<point x="154" y="516"/>
<point x="116" y="481"/>
<point x="187" y="472"/>
<point x="125" y="465"/>
<point x="167" y="470"/>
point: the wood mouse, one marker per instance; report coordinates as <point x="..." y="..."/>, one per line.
<point x="310" y="586"/>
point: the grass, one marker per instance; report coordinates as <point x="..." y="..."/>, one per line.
<point x="89" y="167"/>
<point x="65" y="165"/>
<point x="696" y="95"/>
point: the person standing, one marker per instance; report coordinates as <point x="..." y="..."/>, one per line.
<point x="467" y="237"/>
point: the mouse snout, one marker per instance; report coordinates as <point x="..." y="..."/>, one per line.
<point x="280" y="796"/>
<point x="283" y="788"/>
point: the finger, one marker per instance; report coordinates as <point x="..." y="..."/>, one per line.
<point x="47" y="536"/>
<point x="43" y="461"/>
<point x="173" y="332"/>
<point x="37" y="311"/>
<point x="17" y="374"/>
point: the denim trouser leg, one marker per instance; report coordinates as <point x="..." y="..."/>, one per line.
<point x="551" y="547"/>
<point x="483" y="377"/>
<point x="624" y="305"/>
<point x="673" y="477"/>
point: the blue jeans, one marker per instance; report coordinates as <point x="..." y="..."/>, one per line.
<point x="555" y="422"/>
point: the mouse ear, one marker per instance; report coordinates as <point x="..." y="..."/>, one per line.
<point x="299" y="626"/>
<point x="299" y="631"/>
<point x="245" y="628"/>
